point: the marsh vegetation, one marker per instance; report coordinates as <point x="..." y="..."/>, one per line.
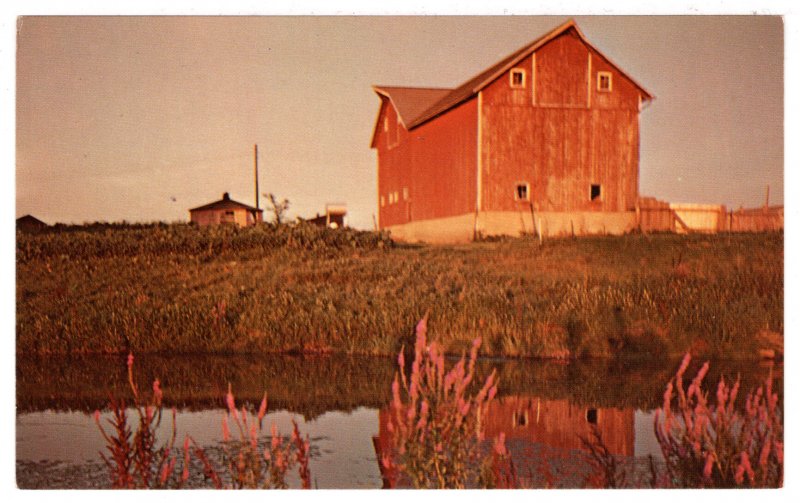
<point x="302" y="289"/>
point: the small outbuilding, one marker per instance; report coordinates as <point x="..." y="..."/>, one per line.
<point x="30" y="224"/>
<point x="226" y="211"/>
<point x="333" y="217"/>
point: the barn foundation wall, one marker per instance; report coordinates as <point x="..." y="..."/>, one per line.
<point x="462" y="228"/>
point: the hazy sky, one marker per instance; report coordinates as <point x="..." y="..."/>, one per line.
<point x="118" y="116"/>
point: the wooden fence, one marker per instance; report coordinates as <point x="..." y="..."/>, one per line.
<point x="659" y="216"/>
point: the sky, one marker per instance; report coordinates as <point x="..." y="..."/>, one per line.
<point x="142" y="118"/>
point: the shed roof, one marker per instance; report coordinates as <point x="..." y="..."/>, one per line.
<point x="417" y="115"/>
<point x="226" y="203"/>
<point x="30" y="220"/>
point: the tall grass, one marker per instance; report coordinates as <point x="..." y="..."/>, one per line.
<point x="302" y="289"/>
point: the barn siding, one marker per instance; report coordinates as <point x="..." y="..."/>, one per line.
<point x="436" y="162"/>
<point x="564" y="137"/>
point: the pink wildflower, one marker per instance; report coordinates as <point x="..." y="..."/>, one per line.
<point x="722" y="393"/>
<point x="684" y="364"/>
<point x="226" y="433"/>
<point x="744" y="467"/>
<point x="422" y="328"/>
<point x="500" y="445"/>
<point x="97" y="417"/>
<point x="396" y="392"/>
<point x="764" y="457"/>
<point x="157" y="393"/>
<point x="667" y="397"/>
<point x="262" y="409"/>
<point x="130" y="360"/>
<point x="708" y="466"/>
<point x="229" y="399"/>
<point x="253" y="436"/>
<point x="276" y="439"/>
<point x="166" y="470"/>
<point x="185" y="474"/>
<point x="423" y="415"/>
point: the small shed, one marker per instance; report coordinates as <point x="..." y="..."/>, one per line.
<point x="226" y="211"/>
<point x="334" y="216"/>
<point x="30" y="224"/>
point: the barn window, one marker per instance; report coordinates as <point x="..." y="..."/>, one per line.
<point x="517" y="77"/>
<point x="522" y="191"/>
<point x="604" y="81"/>
<point x="594" y="192"/>
<point x="591" y="416"/>
<point x="519" y="419"/>
<point x="383" y="201"/>
<point x="405" y="193"/>
<point x="386" y="124"/>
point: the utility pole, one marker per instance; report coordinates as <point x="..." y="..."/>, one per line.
<point x="255" y="155"/>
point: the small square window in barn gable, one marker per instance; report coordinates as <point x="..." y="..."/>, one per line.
<point x="594" y="192"/>
<point x="591" y="416"/>
<point x="604" y="81"/>
<point x="522" y="192"/>
<point x="517" y="77"/>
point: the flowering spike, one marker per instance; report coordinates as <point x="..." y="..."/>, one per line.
<point x="226" y="433"/>
<point x="229" y="401"/>
<point x="684" y="364"/>
<point x="253" y="436"/>
<point x="262" y="409"/>
<point x="709" y="466"/>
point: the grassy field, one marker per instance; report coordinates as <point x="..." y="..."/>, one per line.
<point x="177" y="288"/>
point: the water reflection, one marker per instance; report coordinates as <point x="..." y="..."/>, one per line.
<point x="543" y="408"/>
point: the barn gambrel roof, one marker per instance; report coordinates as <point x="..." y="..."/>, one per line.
<point x="417" y="106"/>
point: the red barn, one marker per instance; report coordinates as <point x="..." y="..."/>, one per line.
<point x="546" y="140"/>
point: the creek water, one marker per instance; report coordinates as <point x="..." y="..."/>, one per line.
<point x="543" y="408"/>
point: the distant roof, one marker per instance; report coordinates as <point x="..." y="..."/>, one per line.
<point x="414" y="114"/>
<point x="226" y="203"/>
<point x="30" y="220"/>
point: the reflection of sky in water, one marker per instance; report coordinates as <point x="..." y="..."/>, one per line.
<point x="644" y="438"/>
<point x="345" y="457"/>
